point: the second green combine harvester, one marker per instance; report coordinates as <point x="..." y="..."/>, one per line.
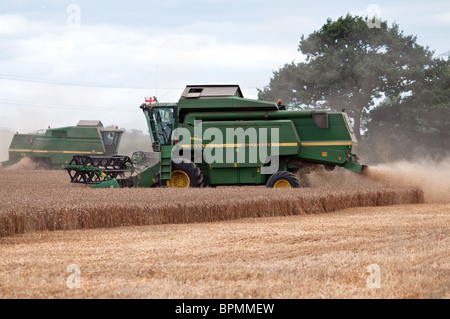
<point x="54" y="148"/>
<point x="214" y="136"/>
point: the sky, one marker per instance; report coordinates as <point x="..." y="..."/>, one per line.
<point x="66" y="61"/>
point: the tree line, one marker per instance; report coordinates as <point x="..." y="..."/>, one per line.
<point x="395" y="91"/>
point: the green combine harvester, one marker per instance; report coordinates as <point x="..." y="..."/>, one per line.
<point x="54" y="148"/>
<point x="214" y="136"/>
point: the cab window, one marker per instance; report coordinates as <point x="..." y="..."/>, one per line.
<point x="110" y="140"/>
<point x="163" y="118"/>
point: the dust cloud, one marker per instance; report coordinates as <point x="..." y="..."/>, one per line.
<point x="6" y="136"/>
<point x="24" y="164"/>
<point x="433" y="177"/>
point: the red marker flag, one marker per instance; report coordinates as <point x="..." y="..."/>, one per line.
<point x="150" y="100"/>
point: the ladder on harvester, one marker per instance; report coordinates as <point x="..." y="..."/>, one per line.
<point x="165" y="159"/>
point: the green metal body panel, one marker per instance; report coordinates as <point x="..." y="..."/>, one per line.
<point x="146" y="178"/>
<point x="108" y="184"/>
<point x="230" y="105"/>
<point x="234" y="176"/>
<point x="56" y="147"/>
<point x="242" y="146"/>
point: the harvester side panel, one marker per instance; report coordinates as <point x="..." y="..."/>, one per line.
<point x="325" y="145"/>
<point x="228" y="150"/>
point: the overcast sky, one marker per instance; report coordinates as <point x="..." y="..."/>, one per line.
<point x="65" y="61"/>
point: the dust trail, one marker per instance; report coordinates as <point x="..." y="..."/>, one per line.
<point x="24" y="164"/>
<point x="433" y="177"/>
<point x="6" y="136"/>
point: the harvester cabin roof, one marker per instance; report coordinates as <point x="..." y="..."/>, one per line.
<point x="211" y="91"/>
<point x="89" y="123"/>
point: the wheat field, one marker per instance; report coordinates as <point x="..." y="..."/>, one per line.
<point x="45" y="200"/>
<point x="303" y="256"/>
<point x="225" y="242"/>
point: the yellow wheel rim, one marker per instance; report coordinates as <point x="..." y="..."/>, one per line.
<point x="180" y="179"/>
<point x="282" y="183"/>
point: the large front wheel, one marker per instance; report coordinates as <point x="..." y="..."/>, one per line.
<point x="186" y="174"/>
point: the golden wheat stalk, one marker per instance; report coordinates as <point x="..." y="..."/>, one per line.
<point x="54" y="204"/>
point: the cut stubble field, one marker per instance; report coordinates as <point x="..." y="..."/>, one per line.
<point x="271" y="246"/>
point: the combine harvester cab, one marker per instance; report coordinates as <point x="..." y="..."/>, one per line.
<point x="55" y="148"/>
<point x="214" y="136"/>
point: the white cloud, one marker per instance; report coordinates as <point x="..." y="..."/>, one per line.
<point x="13" y="24"/>
<point x="115" y="67"/>
<point x="442" y="19"/>
<point x="17" y="25"/>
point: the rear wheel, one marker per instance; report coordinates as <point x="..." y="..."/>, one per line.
<point x="42" y="166"/>
<point x="283" y="179"/>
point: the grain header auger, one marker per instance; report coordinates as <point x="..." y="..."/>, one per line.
<point x="214" y="136"/>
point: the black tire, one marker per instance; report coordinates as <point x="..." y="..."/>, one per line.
<point x="42" y="166"/>
<point x="191" y="170"/>
<point x="283" y="176"/>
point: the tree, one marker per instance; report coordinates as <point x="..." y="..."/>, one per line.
<point x="417" y="125"/>
<point x="349" y="66"/>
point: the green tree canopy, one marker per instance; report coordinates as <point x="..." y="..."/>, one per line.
<point x="417" y="124"/>
<point x="349" y="66"/>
